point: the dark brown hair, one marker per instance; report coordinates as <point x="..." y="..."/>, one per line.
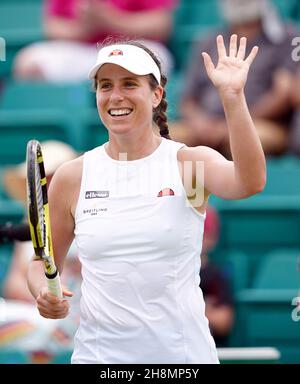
<point x="159" y="113"/>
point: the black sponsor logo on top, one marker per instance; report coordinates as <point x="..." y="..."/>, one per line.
<point x="96" y="194"/>
<point x="94" y="211"/>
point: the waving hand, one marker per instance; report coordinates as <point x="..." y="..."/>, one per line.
<point x="230" y="74"/>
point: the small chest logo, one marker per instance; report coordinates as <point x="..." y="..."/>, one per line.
<point x="96" y="194"/>
<point x="166" y="192"/>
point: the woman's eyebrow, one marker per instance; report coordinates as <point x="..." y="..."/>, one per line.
<point x="130" y="78"/>
<point x="100" y="80"/>
<point x="123" y="78"/>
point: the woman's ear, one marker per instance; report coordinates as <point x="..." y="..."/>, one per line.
<point x="157" y="96"/>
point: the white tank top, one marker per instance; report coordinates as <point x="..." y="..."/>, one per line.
<point x="139" y="242"/>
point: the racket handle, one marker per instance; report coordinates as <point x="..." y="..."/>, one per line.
<point x="54" y="286"/>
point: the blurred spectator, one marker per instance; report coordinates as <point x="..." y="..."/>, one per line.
<point x="73" y="28"/>
<point x="22" y="327"/>
<point x="267" y="90"/>
<point x="215" y="286"/>
<point x="295" y="98"/>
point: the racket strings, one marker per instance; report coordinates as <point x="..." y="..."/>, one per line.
<point x="40" y="203"/>
<point x="38" y="206"/>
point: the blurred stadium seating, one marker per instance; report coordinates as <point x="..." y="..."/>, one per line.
<point x="20" y="24"/>
<point x="260" y="236"/>
<point x="267" y="221"/>
<point x="41" y="111"/>
<point x="192" y="18"/>
<point x="13" y="357"/>
<point x="264" y="312"/>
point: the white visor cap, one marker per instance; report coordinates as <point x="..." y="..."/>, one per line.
<point x="135" y="59"/>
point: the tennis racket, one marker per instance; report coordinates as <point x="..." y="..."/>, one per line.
<point x="38" y="215"/>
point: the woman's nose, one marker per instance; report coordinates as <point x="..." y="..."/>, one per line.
<point x="116" y="95"/>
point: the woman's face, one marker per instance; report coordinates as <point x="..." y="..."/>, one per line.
<point x="125" y="101"/>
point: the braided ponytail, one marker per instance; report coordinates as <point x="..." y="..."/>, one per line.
<point x="159" y="116"/>
<point x="159" y="113"/>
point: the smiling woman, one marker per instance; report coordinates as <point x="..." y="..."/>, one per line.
<point x="137" y="230"/>
<point x="125" y="101"/>
<point x="140" y="61"/>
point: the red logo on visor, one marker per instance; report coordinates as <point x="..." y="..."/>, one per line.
<point x="116" y="52"/>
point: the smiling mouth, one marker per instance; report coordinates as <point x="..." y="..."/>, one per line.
<point x="120" y="112"/>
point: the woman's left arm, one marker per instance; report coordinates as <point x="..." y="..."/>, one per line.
<point x="246" y="174"/>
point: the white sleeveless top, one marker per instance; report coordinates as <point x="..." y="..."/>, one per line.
<point x="139" y="242"/>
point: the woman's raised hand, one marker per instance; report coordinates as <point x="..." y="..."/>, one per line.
<point x="230" y="74"/>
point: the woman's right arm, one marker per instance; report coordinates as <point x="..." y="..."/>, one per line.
<point x="60" y="195"/>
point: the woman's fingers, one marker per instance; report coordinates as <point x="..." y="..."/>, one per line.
<point x="51" y="315"/>
<point x="233" y="46"/>
<point x="209" y="66"/>
<point x="55" y="307"/>
<point x="242" y="48"/>
<point x="51" y="306"/>
<point x="234" y="50"/>
<point x="252" y="55"/>
<point x="221" y="47"/>
<point x="54" y="313"/>
<point x="66" y="291"/>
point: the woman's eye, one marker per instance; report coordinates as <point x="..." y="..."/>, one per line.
<point x="104" y="85"/>
<point x="130" y="84"/>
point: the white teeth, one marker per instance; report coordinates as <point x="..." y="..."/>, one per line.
<point x="119" y="112"/>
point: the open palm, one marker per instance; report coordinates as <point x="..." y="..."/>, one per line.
<point x="231" y="72"/>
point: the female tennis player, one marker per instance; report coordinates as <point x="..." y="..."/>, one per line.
<point x="137" y="223"/>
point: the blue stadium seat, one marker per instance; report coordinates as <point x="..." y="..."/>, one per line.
<point x="283" y="177"/>
<point x="62" y="358"/>
<point x="192" y="19"/>
<point x="3" y="195"/>
<point x="286" y="8"/>
<point x="264" y="222"/>
<point x="173" y="91"/>
<point x="259" y="225"/>
<point x="266" y="314"/>
<point x="8" y="356"/>
<point x="5" y="260"/>
<point x="279" y="270"/>
<point x="20" y="24"/>
<point x="94" y="132"/>
<point x="42" y="111"/>
<point x="264" y="318"/>
<point x="12" y="211"/>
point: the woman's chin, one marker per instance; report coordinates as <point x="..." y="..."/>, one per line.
<point x="120" y="129"/>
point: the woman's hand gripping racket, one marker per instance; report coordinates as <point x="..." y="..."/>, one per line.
<point x="38" y="215"/>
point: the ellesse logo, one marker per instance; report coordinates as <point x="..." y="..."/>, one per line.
<point x="96" y="194"/>
<point x="166" y="192"/>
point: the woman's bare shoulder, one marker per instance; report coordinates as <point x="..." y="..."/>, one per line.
<point x="65" y="185"/>
<point x="71" y="169"/>
<point x="68" y="175"/>
<point x="200" y="153"/>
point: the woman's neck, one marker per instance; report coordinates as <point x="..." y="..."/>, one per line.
<point x="124" y="148"/>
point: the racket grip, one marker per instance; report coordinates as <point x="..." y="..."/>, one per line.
<point x="54" y="286"/>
